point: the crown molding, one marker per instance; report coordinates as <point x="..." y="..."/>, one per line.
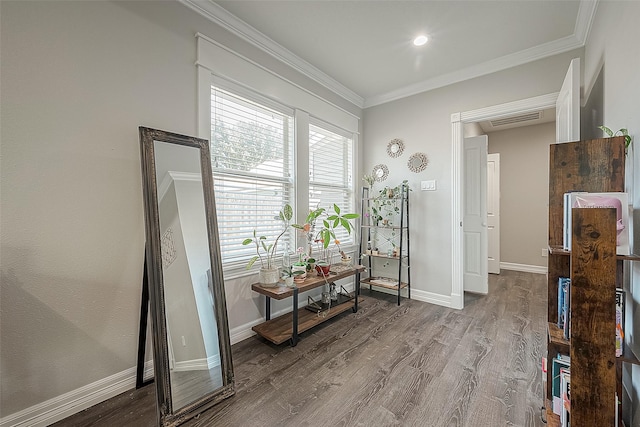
<point x="220" y="16"/>
<point x="241" y="29"/>
<point x="535" y="53"/>
<point x="586" y="13"/>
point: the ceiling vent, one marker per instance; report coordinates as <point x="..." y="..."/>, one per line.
<point x="536" y="115"/>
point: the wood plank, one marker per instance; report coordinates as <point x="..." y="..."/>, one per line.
<point x="311" y="282"/>
<point x="368" y="281"/>
<point x="280" y="329"/>
<point x="595" y="166"/>
<point x="556" y="336"/>
<point x="593" y="362"/>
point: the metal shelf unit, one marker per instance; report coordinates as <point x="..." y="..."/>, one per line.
<point x="399" y="238"/>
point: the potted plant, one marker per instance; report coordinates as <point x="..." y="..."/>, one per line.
<point x="620" y="132"/>
<point x="289" y="276"/>
<point x="385" y="204"/>
<point x="266" y="252"/>
<point x="300" y="267"/>
<point x="326" y="235"/>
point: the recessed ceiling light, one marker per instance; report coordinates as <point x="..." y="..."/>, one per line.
<point x="420" y="40"/>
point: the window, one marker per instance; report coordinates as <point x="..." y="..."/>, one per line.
<point x="330" y="171"/>
<point x="252" y="161"/>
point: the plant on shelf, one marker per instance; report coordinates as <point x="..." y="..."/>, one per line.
<point x="301" y="266"/>
<point x="384" y="206"/>
<point x="325" y="236"/>
<point x="369" y="179"/>
<point x="266" y="252"/>
<point x="620" y="132"/>
<point x="289" y="275"/>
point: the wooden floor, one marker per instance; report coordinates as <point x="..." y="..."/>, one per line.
<point x="414" y="365"/>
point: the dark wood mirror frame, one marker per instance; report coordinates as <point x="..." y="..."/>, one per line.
<point x="167" y="416"/>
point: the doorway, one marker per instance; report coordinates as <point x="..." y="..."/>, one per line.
<point x="458" y="120"/>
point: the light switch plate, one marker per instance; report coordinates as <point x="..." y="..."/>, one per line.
<point x="428" y="185"/>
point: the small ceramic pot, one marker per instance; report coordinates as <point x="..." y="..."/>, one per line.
<point x="269" y="277"/>
<point x="323" y="268"/>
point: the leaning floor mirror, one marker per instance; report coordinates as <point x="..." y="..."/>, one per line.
<point x="191" y="347"/>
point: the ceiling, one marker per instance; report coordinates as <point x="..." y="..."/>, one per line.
<point x="363" y="49"/>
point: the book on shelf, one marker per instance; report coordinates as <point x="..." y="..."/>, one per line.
<point x="563" y="290"/>
<point x="558" y="364"/>
<point x="620" y="301"/>
<point x="617" y="200"/>
<point x="565" y="384"/>
<point x="566" y="310"/>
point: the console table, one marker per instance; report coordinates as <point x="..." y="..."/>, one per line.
<point x="289" y="325"/>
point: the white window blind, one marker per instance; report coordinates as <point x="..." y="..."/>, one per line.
<point x="330" y="173"/>
<point x="252" y="160"/>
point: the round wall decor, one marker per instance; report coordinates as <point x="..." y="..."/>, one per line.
<point x="395" y="148"/>
<point x="418" y="162"/>
<point x="380" y="172"/>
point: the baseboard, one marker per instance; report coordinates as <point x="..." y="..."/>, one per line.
<point x="418" y="295"/>
<point x="432" y="298"/>
<point x="523" y="267"/>
<point x="63" y="406"/>
<point x="198" y="364"/>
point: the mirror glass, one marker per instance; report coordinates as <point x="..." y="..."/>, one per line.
<point x="395" y="147"/>
<point x="192" y="332"/>
<point x="380" y="172"/>
<point x="192" y="356"/>
<point x="418" y="162"/>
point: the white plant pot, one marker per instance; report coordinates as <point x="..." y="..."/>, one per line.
<point x="288" y="281"/>
<point x="269" y="277"/>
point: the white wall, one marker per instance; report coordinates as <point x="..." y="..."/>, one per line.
<point x="423" y="122"/>
<point x="77" y="79"/>
<point x="610" y="50"/>
<point x="524" y="177"/>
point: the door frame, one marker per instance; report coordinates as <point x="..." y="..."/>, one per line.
<point x="492" y="195"/>
<point x="458" y="120"/>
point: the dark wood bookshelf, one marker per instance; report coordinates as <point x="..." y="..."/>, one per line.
<point x="595" y="270"/>
<point x="556" y="337"/>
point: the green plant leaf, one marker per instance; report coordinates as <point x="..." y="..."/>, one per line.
<point x="325" y="223"/>
<point x="351" y="216"/>
<point x="263" y="237"/>
<point x="606" y="130"/>
<point x="336" y="208"/>
<point x="252" y="261"/>
<point x="264" y="245"/>
<point x="288" y="212"/>
<point x="247" y="241"/>
<point x="346" y="225"/>
<point x="336" y="222"/>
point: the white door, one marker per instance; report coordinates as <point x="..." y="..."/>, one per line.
<point x="493" y="211"/>
<point x="568" y="105"/>
<point x="474" y="222"/>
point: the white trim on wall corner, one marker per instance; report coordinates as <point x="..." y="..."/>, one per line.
<point x="63" y="406"/>
<point x="525" y="268"/>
